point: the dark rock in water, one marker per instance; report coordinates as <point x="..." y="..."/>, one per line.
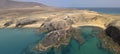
<point x="113" y="30"/>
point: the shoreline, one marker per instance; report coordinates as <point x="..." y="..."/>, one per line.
<point x="80" y="18"/>
<point x="60" y="24"/>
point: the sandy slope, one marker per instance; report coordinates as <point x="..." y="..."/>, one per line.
<point x="80" y="17"/>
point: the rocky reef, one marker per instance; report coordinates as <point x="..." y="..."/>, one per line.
<point x="59" y="33"/>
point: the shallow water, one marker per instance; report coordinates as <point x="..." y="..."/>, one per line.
<point x="92" y="44"/>
<point x="14" y="41"/>
<point x="19" y="41"/>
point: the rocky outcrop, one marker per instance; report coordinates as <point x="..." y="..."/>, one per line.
<point x="52" y="25"/>
<point x="113" y="31"/>
<point x="8" y="23"/>
<point x="54" y="39"/>
<point x="110" y="37"/>
<point x="59" y="33"/>
<point x="75" y="18"/>
<point x="23" y="22"/>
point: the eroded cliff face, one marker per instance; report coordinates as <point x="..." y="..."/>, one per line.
<point x="111" y="36"/>
<point x="113" y="30"/>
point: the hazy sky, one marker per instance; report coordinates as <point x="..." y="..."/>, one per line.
<point x="79" y="3"/>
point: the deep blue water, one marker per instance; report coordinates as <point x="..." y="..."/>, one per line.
<point x="104" y="10"/>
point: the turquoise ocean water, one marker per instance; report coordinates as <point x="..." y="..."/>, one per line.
<point x="92" y="44"/>
<point x="16" y="41"/>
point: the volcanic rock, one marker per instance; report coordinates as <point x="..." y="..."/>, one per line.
<point x="113" y="31"/>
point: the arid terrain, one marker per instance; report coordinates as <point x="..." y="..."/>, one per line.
<point x="79" y="17"/>
<point x="11" y="16"/>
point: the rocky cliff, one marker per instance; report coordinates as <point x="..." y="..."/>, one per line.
<point x="113" y="30"/>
